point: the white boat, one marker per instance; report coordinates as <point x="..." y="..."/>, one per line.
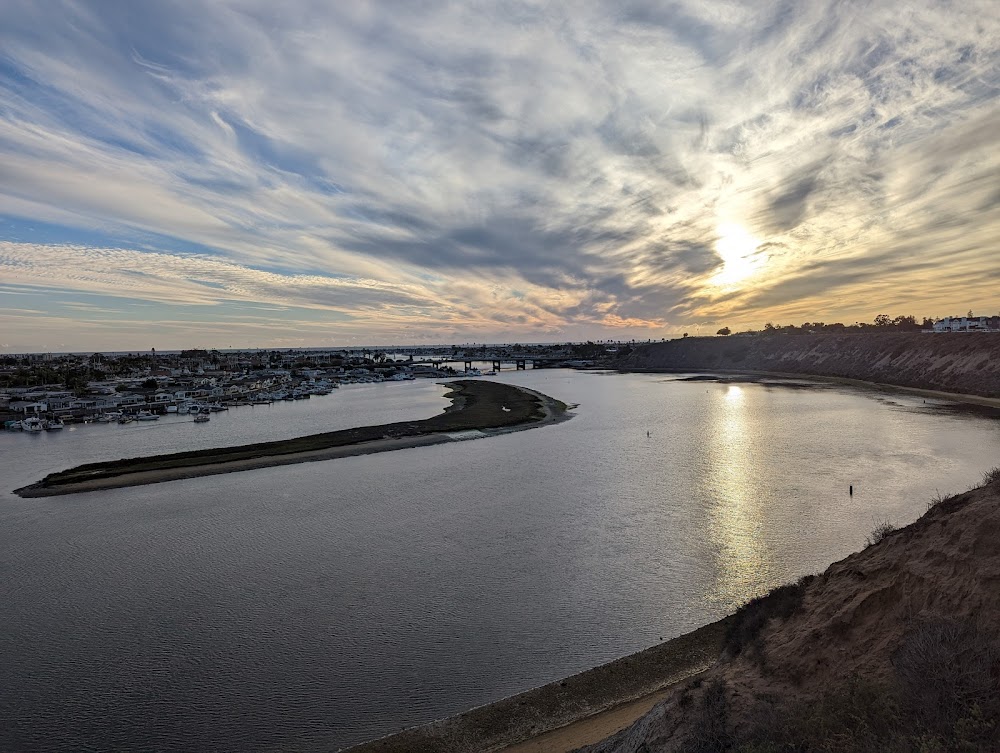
<point x="172" y="409"/>
<point x="54" y="424"/>
<point x="473" y="372"/>
<point x="33" y="424"/>
<point x="145" y="415"/>
<point x="109" y="417"/>
<point x="490" y="373"/>
<point x="203" y="416"/>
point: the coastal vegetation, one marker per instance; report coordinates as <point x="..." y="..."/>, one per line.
<point x="881" y="323"/>
<point x="476" y="405"/>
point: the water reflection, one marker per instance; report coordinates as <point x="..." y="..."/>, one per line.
<point x="743" y="559"/>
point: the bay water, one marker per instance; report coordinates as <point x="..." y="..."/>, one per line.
<point x="314" y="606"/>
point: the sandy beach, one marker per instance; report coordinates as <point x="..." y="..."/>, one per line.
<point x="566" y="714"/>
<point x="450" y="426"/>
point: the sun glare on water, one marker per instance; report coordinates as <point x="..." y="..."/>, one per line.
<point x="736" y="247"/>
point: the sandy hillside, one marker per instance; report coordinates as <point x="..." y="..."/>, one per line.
<point x="966" y="363"/>
<point x="896" y="647"/>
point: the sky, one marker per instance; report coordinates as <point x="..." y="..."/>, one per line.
<point x="226" y="173"/>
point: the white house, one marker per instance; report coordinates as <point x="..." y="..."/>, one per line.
<point x="965" y="324"/>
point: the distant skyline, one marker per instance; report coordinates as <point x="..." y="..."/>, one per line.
<point x="180" y="174"/>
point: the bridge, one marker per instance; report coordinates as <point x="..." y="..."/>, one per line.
<point x="520" y="361"/>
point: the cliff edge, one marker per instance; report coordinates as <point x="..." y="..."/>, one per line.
<point x="895" y="648"/>
<point x="967" y="363"/>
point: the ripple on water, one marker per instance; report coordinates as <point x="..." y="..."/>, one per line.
<point x="312" y="606"/>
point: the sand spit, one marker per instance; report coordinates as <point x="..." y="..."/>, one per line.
<point x="896" y="647"/>
<point x="479" y="409"/>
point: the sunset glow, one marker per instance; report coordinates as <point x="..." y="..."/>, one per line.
<point x="737" y="248"/>
<point x="224" y="174"/>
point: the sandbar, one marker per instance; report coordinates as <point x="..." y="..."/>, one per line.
<point x="479" y="409"/>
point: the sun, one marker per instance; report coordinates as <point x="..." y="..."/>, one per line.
<point x="736" y="246"/>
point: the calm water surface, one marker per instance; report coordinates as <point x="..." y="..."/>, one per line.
<point x="313" y="606"/>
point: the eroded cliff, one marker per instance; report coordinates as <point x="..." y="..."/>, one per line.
<point x="964" y="363"/>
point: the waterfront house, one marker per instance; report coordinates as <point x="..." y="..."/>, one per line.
<point x="27" y="407"/>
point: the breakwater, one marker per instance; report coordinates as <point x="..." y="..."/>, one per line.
<point x="967" y="363"/>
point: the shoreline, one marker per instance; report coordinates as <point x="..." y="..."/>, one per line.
<point x="445" y="427"/>
<point x="563" y="715"/>
<point x="576" y="722"/>
<point x="956" y="397"/>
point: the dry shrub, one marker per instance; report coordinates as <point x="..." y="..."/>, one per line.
<point x="992" y="476"/>
<point x="781" y="603"/>
<point x="879" y="532"/>
<point x="710" y="730"/>
<point x="948" y="674"/>
<point x="937" y="499"/>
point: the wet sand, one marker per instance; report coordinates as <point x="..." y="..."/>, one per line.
<point x="566" y="714"/>
<point x="593" y="729"/>
<point x="551" y="411"/>
<point x="753" y="376"/>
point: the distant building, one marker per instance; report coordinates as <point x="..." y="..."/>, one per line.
<point x="968" y="324"/>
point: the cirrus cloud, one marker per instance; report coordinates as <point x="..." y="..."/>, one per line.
<point x="503" y="170"/>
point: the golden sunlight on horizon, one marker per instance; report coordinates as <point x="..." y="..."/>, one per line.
<point x="736" y="246"/>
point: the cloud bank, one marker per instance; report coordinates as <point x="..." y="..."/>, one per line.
<point x="399" y="172"/>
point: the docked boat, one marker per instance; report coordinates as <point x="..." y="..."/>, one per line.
<point x="473" y="372"/>
<point x="54" y="424"/>
<point x="125" y="418"/>
<point x="33" y="424"/>
<point x="145" y="415"/>
<point x="12" y="425"/>
<point x="172" y="409"/>
<point x="109" y="417"/>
